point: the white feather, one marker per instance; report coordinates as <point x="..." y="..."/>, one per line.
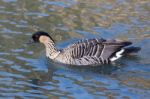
<point x="118" y="55"/>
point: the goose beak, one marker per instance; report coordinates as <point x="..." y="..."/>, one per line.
<point x="30" y="41"/>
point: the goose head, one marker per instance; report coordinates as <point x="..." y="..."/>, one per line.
<point x="41" y="37"/>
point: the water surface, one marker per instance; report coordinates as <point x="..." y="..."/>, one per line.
<point x="25" y="73"/>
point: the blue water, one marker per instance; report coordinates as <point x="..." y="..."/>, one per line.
<point x="26" y="73"/>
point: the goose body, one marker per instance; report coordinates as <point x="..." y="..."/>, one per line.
<point x="85" y="52"/>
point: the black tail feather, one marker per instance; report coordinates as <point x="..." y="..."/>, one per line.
<point x="127" y="43"/>
<point x="131" y="50"/>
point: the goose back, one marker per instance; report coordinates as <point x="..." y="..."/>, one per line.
<point x="92" y="51"/>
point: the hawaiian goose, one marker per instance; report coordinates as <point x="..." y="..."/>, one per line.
<point x="86" y="52"/>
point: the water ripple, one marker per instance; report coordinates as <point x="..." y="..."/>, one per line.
<point x="26" y="73"/>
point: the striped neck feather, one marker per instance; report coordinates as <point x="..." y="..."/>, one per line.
<point x="51" y="50"/>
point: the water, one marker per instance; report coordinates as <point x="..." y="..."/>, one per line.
<point x="25" y="72"/>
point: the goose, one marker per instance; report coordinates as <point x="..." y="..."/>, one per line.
<point x="85" y="52"/>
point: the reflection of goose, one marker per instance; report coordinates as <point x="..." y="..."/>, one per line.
<point x="86" y="52"/>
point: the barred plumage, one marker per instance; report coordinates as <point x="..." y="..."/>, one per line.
<point x="85" y="52"/>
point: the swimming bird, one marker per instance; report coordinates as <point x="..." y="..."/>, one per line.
<point x="85" y="52"/>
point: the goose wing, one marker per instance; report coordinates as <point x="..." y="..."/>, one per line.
<point x="95" y="48"/>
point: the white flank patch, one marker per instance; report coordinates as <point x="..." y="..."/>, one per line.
<point x="118" y="55"/>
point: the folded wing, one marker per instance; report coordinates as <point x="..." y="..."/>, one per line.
<point x="95" y="50"/>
